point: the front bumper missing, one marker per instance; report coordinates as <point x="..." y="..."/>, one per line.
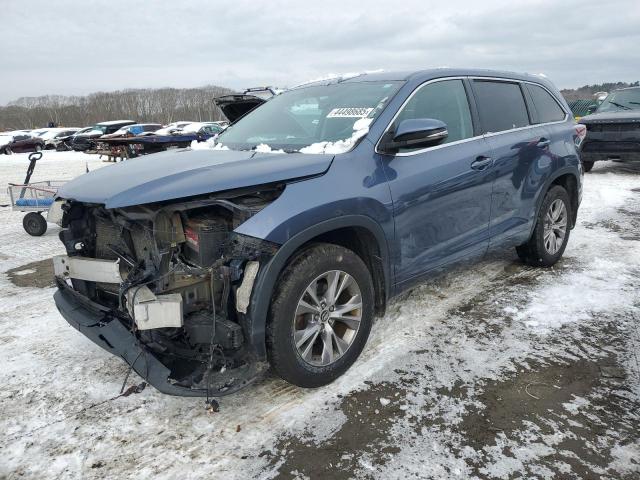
<point x="105" y="330"/>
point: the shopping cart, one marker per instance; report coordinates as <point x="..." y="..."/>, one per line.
<point x="33" y="198"/>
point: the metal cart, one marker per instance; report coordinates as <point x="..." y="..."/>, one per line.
<point x="33" y="198"/>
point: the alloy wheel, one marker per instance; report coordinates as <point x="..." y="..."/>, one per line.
<point x="555" y="226"/>
<point x="327" y="318"/>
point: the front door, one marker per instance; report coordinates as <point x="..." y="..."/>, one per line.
<point x="442" y="194"/>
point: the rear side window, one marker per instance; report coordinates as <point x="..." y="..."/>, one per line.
<point x="446" y="101"/>
<point x="547" y="108"/>
<point x="501" y="105"/>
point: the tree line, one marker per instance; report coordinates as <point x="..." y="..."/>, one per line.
<point x="161" y="105"/>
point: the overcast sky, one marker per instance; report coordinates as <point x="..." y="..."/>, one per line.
<point x="78" y="47"/>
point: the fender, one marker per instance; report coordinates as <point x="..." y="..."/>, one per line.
<point x="545" y="188"/>
<point x="268" y="275"/>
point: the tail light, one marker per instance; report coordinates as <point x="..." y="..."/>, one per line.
<point x="581" y="133"/>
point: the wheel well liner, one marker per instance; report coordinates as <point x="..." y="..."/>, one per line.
<point x="359" y="233"/>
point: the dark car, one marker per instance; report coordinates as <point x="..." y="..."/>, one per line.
<point x="18" y="142"/>
<point x="281" y="243"/>
<point x="85" y="141"/>
<point x="613" y="130"/>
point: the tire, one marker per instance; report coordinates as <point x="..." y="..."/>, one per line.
<point x="8" y="151"/>
<point x="34" y="224"/>
<point x="542" y="250"/>
<point x="587" y="166"/>
<point x="311" y="364"/>
<point x="37" y="148"/>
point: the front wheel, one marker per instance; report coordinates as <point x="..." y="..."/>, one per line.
<point x="587" y="166"/>
<point x="8" y="151"/>
<point x="37" y="148"/>
<point x="34" y="224"/>
<point x="320" y="315"/>
<point x="551" y="233"/>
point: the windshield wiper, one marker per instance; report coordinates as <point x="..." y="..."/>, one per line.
<point x="619" y="105"/>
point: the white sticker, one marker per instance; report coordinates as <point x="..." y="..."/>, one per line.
<point x="349" y="112"/>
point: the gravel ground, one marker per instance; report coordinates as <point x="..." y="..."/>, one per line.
<point x="495" y="370"/>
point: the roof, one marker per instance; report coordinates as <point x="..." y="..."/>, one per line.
<point x="425" y="74"/>
<point x="114" y="122"/>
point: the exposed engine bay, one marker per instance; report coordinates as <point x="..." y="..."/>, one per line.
<point x="176" y="275"/>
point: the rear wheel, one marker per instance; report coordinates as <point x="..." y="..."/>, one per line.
<point x="34" y="224"/>
<point x="551" y="233"/>
<point x="587" y="166"/>
<point x="320" y="316"/>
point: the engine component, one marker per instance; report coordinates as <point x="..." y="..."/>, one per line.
<point x="151" y="311"/>
<point x="199" y="327"/>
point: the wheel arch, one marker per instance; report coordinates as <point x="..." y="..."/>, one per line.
<point x="359" y="233"/>
<point x="569" y="180"/>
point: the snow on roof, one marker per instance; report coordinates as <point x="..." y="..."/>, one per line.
<point x="114" y="122"/>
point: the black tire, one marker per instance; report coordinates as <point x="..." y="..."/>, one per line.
<point x="8" y="151"/>
<point x="534" y="251"/>
<point x="587" y="166"/>
<point x="294" y="280"/>
<point x="34" y="224"/>
<point x="37" y="148"/>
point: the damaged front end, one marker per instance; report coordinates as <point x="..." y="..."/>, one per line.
<point x="166" y="287"/>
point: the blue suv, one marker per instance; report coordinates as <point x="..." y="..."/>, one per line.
<point x="280" y="243"/>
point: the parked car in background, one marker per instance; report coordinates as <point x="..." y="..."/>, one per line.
<point x="172" y="128"/>
<point x="613" y="129"/>
<point x="53" y="136"/>
<point x="133" y="130"/>
<point x="204" y="129"/>
<point x="234" y="106"/>
<point x="280" y="244"/>
<point x="64" y="143"/>
<point x="85" y="141"/>
<point x="18" y="142"/>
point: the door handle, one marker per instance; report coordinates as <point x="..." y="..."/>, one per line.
<point x="481" y="162"/>
<point x="543" y="142"/>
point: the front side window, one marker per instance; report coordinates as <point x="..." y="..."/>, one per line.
<point x="315" y="116"/>
<point x="445" y="101"/>
<point x="501" y="105"/>
<point x="546" y="106"/>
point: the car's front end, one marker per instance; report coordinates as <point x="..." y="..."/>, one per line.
<point x="613" y="131"/>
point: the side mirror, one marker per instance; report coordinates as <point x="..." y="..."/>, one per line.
<point x="591" y="109"/>
<point x="416" y="133"/>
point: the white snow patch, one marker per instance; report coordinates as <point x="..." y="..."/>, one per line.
<point x="264" y="148"/>
<point x="360" y="127"/>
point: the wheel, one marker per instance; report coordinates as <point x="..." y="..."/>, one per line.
<point x="8" y="151"/>
<point x="34" y="224"/>
<point x="320" y="315"/>
<point x="587" y="166"/>
<point x="37" y="148"/>
<point x="551" y="233"/>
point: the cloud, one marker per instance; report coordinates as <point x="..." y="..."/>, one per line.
<point x="80" y="47"/>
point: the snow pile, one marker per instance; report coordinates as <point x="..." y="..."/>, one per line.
<point x="338" y="76"/>
<point x="5" y="139"/>
<point x="264" y="148"/>
<point x="210" y="144"/>
<point x="360" y="129"/>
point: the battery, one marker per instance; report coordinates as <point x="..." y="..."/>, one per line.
<point x="205" y="235"/>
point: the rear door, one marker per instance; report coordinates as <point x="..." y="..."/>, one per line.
<point x="520" y="150"/>
<point x="441" y="194"/>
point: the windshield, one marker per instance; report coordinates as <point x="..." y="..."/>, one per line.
<point x="621" y="100"/>
<point x="311" y="116"/>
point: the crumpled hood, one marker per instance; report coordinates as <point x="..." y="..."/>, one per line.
<point x="184" y="173"/>
<point x="612" y="117"/>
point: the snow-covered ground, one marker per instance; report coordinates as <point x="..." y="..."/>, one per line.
<point x="497" y="370"/>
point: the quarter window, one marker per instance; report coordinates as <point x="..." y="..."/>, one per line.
<point x="547" y="108"/>
<point x="445" y="101"/>
<point x="501" y="105"/>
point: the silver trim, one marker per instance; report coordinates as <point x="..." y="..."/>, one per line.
<point x="458" y="142"/>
